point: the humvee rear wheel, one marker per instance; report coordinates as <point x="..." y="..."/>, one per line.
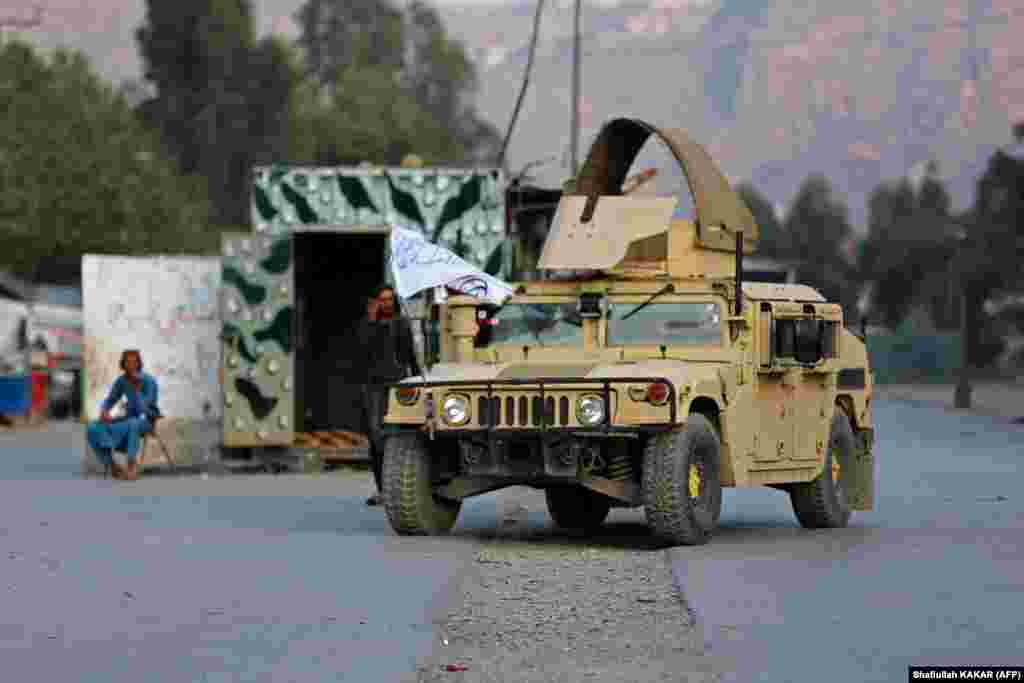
<point x="575" y="507"/>
<point x="682" y="488"/>
<point x="823" y="503"/>
<point x="409" y="500"/>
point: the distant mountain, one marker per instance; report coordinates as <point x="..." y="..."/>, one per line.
<point x="776" y="89"/>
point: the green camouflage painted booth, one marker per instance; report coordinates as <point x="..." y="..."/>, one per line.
<point x="460" y="209"/>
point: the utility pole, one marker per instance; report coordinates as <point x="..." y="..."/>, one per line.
<point x="962" y="394"/>
<point x="574" y="125"/>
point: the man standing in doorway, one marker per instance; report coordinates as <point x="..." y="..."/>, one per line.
<point x="390" y="356"/>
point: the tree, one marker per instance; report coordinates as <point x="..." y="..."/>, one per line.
<point x="999" y="210"/>
<point x="992" y="254"/>
<point x="79" y="173"/>
<point x="817" y="224"/>
<point x="773" y="241"/>
<point x="405" y="62"/>
<point x="932" y="250"/>
<point x="339" y="35"/>
<point x="444" y="83"/>
<point x="909" y="248"/>
<point x="887" y="255"/>
<point x="369" y="118"/>
<point x="223" y="99"/>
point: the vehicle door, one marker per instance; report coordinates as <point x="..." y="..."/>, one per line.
<point x="814" y="395"/>
<point x="804" y="355"/>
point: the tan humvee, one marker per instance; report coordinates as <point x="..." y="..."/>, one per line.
<point x="654" y="383"/>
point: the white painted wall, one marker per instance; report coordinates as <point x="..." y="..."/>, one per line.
<point x="168" y="308"/>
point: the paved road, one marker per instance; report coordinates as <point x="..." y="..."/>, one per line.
<point x="294" y="579"/>
<point x="242" y="578"/>
<point x="934" y="575"/>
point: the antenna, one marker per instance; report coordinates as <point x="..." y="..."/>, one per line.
<point x="574" y="121"/>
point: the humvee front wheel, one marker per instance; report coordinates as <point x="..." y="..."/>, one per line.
<point x="578" y="508"/>
<point x="682" y="489"/>
<point x="823" y="503"/>
<point x="409" y="500"/>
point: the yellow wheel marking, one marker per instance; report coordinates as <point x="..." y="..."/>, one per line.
<point x="835" y="471"/>
<point x="694" y="481"/>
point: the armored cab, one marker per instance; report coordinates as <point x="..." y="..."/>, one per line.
<point x="648" y="373"/>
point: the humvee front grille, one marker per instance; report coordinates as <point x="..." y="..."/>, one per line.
<point x="545" y="410"/>
<point x="511" y="411"/>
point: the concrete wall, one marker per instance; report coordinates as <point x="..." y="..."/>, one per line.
<point x="168" y="308"/>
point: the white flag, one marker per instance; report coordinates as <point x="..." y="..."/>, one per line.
<point x="417" y="264"/>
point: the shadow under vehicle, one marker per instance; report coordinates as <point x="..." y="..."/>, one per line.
<point x="648" y="375"/>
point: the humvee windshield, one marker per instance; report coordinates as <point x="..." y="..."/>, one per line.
<point x="544" y="324"/>
<point x="670" y="324"/>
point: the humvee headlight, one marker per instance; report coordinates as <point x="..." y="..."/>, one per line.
<point x="455" y="410"/>
<point x="590" y="410"/>
<point x="407" y="395"/>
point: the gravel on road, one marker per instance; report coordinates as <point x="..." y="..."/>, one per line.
<point x="548" y="606"/>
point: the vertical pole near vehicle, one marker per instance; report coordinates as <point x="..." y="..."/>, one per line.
<point x="574" y="125"/>
<point x="962" y="395"/>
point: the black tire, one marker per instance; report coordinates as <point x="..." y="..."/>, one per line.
<point x="578" y="508"/>
<point x="673" y="515"/>
<point x="409" y="500"/>
<point x="823" y="503"/>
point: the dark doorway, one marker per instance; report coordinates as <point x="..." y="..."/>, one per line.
<point x="334" y="274"/>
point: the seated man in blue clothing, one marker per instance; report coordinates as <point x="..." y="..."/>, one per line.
<point x="125" y="434"/>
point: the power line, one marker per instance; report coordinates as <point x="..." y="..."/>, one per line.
<point x="575" y="121"/>
<point x="526" y="82"/>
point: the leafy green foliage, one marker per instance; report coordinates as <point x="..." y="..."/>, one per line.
<point x="910" y="250"/>
<point x="79" y="173"/>
<point x="889" y="252"/>
<point x="773" y="241"/>
<point x="224" y="101"/>
<point x="998" y="229"/>
<point x="384" y="84"/>
<point x="369" y="118"/>
<point x="338" y="36"/>
<point x="816" y="226"/>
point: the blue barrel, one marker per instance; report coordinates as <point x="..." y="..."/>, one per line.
<point x="15" y="394"/>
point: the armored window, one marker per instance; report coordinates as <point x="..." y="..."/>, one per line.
<point x="785" y="338"/>
<point x="542" y="324"/>
<point x="668" y="324"/>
